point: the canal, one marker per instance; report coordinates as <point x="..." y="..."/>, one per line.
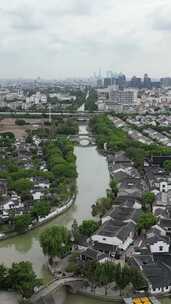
<point x="92" y="182"/>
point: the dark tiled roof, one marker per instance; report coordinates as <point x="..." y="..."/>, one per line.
<point x="121" y="231"/>
<point x="104" y="247"/>
<point x="154" y="238"/>
<point x="93" y="254"/>
<point x="158" y="275"/>
<point x="164" y="222"/>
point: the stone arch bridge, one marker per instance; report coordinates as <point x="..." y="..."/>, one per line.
<point x="55" y="292"/>
<point x="83" y="140"/>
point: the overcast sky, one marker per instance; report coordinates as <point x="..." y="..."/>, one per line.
<point x="74" y="38"/>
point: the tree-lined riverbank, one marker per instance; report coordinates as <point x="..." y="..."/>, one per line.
<point x="92" y="182"/>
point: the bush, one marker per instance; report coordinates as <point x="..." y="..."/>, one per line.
<point x="20" y="122"/>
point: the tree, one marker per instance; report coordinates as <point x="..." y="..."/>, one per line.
<point x="146" y="221"/>
<point x="88" y="227"/>
<point x="89" y="271"/>
<point x="22" y="185"/>
<point x="55" y="242"/>
<point x="20" y="122"/>
<point x="4" y="279"/>
<point x="41" y="209"/>
<point x="23" y="279"/>
<point x="114" y="187"/>
<point x="167" y="165"/>
<point x="101" y="206"/>
<point x="105" y="274"/>
<point x="137" y="155"/>
<point x="22" y="222"/>
<point x="122" y="276"/>
<point x="137" y="279"/>
<point x="75" y="231"/>
<point x="148" y="200"/>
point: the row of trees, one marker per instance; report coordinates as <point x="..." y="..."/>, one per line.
<point x="102" y="274"/>
<point x="59" y="126"/>
<point x="117" y="139"/>
<point x="61" y="162"/>
<point x="19" y="277"/>
<point x="90" y="102"/>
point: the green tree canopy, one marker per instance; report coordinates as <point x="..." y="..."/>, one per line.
<point x="114" y="187"/>
<point x="167" y="165"/>
<point x="22" y="185"/>
<point x="101" y="206"/>
<point x="146" y="221"/>
<point x="23" y="279"/>
<point x="55" y="241"/>
<point x="22" y="222"/>
<point x="148" y="200"/>
<point x="75" y="231"/>
<point x="137" y="279"/>
<point x="4" y="278"/>
<point x="88" y="227"/>
<point x="122" y="276"/>
<point x="40" y="208"/>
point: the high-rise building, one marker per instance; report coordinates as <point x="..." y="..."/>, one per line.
<point x="109" y="81"/>
<point x="121" y="81"/>
<point x="135" y="82"/>
<point x="165" y="82"/>
<point x="147" y="82"/>
<point x="125" y="97"/>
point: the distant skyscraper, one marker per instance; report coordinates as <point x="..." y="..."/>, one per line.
<point x="108" y="81"/>
<point x="135" y="82"/>
<point x="121" y="81"/>
<point x="165" y="82"/>
<point x="147" y="81"/>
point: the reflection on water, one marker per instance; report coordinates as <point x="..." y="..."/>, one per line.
<point x="82" y="300"/>
<point x="166" y="301"/>
<point x="93" y="180"/>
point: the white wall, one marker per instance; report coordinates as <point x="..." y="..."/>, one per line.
<point x="114" y="241"/>
<point x="106" y="240"/>
<point x="106" y="218"/>
<point x="160" y="290"/>
<point x="155" y="248"/>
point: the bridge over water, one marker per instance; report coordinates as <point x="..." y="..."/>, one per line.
<point x="55" y="292"/>
<point x="83" y="139"/>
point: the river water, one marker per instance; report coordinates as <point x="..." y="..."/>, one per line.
<point x="92" y="182"/>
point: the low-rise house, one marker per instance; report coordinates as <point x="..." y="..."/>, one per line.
<point x="132" y="187"/>
<point x="114" y="233"/>
<point x="91" y="254"/>
<point x="157" y="243"/>
<point x="165" y="224"/>
<point x="123" y="214"/>
<point x="37" y="194"/>
<point x="157" y="270"/>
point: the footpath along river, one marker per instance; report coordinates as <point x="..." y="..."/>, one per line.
<point x="92" y="182"/>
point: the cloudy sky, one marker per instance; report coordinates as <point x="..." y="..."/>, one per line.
<point x="74" y="38"/>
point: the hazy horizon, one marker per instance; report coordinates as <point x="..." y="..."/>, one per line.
<point x="74" y="38"/>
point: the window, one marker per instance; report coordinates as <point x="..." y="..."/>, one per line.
<point x="166" y="287"/>
<point x="104" y="239"/>
<point x="154" y="289"/>
<point x="161" y="248"/>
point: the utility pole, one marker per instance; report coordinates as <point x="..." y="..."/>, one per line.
<point x="50" y="114"/>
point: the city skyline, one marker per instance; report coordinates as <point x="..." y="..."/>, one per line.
<point x="73" y="38"/>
